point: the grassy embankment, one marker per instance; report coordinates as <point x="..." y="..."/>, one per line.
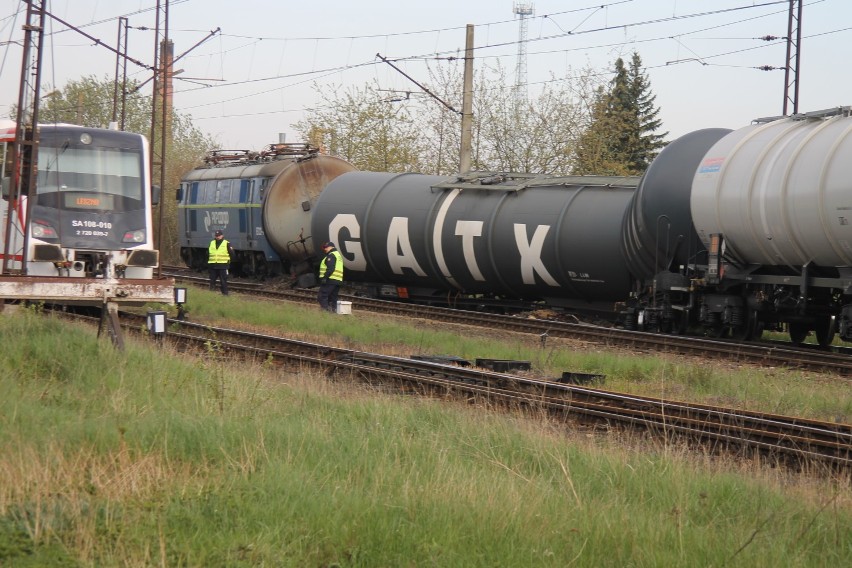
<point x="777" y="390"/>
<point x="152" y="458"/>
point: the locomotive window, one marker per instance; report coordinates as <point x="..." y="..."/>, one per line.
<point x="91" y="169"/>
<point x="244" y="191"/>
<point x="209" y="193"/>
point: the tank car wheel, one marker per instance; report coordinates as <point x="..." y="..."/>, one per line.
<point x="716" y="331"/>
<point x="798" y="332"/>
<point x="680" y="324"/>
<point x="199" y="260"/>
<point x="751" y="329"/>
<point x="186" y="256"/>
<point x="261" y="268"/>
<point x="825" y="329"/>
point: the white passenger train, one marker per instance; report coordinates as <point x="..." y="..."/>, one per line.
<point x="86" y="234"/>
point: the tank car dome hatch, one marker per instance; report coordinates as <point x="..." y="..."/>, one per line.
<point x="288" y="204"/>
<point x="779" y="192"/>
<point x="540" y="238"/>
<point x="657" y="229"/>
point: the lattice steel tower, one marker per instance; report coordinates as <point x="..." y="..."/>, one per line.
<point x="794" y="44"/>
<point x="522" y="10"/>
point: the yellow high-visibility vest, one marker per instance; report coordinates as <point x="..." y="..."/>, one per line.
<point x="338" y="267"/>
<point x="218" y="255"/>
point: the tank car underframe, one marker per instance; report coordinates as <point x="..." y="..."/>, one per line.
<point x="254" y="264"/>
<point x="744" y="303"/>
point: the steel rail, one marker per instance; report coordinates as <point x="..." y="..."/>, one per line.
<point x="762" y="354"/>
<point x="774" y="435"/>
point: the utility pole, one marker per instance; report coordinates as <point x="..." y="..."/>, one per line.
<point x="25" y="148"/>
<point x="794" y="26"/>
<point x="159" y="109"/>
<point x="121" y="47"/>
<point x="467" y="105"/>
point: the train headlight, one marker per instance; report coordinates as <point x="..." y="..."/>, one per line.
<point x="43" y="231"/>
<point x="134" y="236"/>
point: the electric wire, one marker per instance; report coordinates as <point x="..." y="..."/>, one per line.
<point x="433" y="56"/>
<point x="322" y="73"/>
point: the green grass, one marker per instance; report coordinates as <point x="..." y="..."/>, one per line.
<point x="775" y="390"/>
<point x="151" y="458"/>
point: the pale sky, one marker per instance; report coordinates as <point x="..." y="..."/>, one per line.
<point x="253" y="80"/>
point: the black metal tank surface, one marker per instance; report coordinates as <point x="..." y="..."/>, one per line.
<point x="516" y="236"/>
<point x="658" y="229"/>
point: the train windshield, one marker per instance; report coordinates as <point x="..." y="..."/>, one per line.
<point x="90" y="177"/>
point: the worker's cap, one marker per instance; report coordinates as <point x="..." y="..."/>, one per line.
<point x="218" y="233"/>
<point x="328" y="245"/>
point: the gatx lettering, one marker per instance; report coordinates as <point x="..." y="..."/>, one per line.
<point x="346" y="230"/>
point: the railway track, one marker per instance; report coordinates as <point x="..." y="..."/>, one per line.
<point x="756" y="353"/>
<point x="791" y="441"/>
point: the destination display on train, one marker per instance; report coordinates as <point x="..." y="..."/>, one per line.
<point x="97" y="201"/>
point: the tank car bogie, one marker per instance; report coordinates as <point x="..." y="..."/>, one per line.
<point x="844" y="323"/>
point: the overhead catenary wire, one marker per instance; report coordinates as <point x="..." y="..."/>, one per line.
<point x="486" y="50"/>
<point x="488" y="46"/>
<point x="479" y="48"/>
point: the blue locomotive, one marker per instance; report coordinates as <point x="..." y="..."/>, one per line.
<point x="262" y="202"/>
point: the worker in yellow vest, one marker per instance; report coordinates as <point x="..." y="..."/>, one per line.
<point x="330" y="277"/>
<point x="219" y="261"/>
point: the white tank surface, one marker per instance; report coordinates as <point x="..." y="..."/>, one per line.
<point x="780" y="192"/>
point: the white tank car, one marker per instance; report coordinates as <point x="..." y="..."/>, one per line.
<point x="780" y="192"/>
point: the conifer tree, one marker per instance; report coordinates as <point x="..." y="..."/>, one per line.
<point x="621" y="138"/>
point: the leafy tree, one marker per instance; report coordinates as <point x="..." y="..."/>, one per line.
<point x="378" y="132"/>
<point x="526" y="136"/>
<point x="596" y="152"/>
<point x="364" y="127"/>
<point x="621" y="138"/>
<point x="88" y="101"/>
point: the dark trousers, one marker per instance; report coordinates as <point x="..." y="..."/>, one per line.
<point x="221" y="272"/>
<point x="327" y="295"/>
